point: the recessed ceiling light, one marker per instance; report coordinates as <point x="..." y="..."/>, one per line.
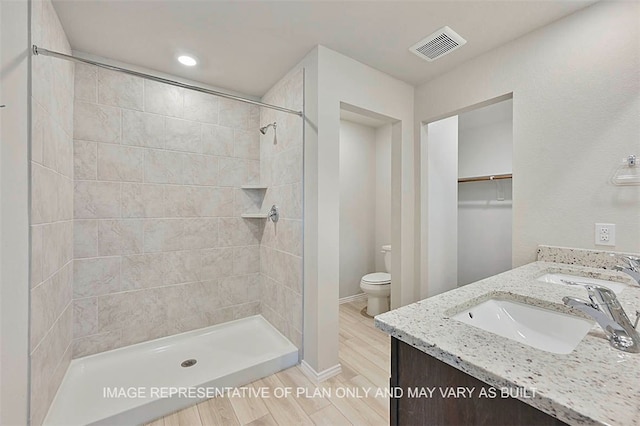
<point x="187" y="60"/>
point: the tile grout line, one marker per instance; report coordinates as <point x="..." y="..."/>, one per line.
<point x="32" y="351"/>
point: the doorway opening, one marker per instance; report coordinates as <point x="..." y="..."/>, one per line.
<point x="467" y="196"/>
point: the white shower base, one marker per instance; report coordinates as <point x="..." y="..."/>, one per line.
<point x="228" y="355"/>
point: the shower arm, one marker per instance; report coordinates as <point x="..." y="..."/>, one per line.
<point x="264" y="129"/>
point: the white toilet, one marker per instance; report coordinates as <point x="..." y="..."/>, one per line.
<point x="377" y="286"/>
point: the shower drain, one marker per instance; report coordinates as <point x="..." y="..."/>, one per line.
<point x="189" y="363"/>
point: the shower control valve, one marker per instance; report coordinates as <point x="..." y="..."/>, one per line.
<point x="274" y="214"/>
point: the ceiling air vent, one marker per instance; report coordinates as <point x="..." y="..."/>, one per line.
<point x="438" y="44"/>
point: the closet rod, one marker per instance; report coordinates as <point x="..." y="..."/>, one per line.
<point x="482" y="178"/>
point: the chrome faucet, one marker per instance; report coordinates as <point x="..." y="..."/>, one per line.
<point x="604" y="307"/>
<point x="631" y="267"/>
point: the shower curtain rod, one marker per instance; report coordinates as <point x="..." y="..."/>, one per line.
<point x="45" y="52"/>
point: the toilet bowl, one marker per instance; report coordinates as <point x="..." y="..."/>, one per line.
<point x="377" y="286"/>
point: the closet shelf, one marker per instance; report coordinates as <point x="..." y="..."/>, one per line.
<point x="483" y="178"/>
<point x="257" y="187"/>
<point x="254" y="215"/>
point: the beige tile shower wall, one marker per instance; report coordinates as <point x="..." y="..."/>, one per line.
<point x="160" y="247"/>
<point x="281" y="246"/>
<point x="51" y="211"/>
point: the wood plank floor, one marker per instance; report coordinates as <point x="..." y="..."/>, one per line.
<point x="341" y="400"/>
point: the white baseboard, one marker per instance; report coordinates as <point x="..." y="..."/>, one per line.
<point x="354" y="298"/>
<point x="316" y="377"/>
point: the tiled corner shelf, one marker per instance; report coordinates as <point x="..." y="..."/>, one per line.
<point x="255" y="215"/>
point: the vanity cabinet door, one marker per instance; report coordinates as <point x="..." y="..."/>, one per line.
<point x="426" y="376"/>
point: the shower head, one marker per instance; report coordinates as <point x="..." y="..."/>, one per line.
<point x="264" y="129"/>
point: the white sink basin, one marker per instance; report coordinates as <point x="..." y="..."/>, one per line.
<point x="540" y="328"/>
<point x="616" y="287"/>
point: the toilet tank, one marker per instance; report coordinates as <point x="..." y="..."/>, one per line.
<point x="386" y="250"/>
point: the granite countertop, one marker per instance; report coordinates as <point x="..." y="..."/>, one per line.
<point x="594" y="384"/>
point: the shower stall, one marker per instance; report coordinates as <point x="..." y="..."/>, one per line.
<point x="156" y="263"/>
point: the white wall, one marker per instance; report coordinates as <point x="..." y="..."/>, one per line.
<point x="332" y="78"/>
<point x="383" y="192"/>
<point x="315" y="302"/>
<point x="576" y="113"/>
<point x="485" y="140"/>
<point x="357" y="205"/>
<point x="484" y="230"/>
<point x="14" y="212"/>
<point x="441" y="212"/>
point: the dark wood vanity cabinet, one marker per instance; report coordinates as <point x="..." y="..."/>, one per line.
<point x="431" y="392"/>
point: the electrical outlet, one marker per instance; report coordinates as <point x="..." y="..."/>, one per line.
<point x="605" y="234"/>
